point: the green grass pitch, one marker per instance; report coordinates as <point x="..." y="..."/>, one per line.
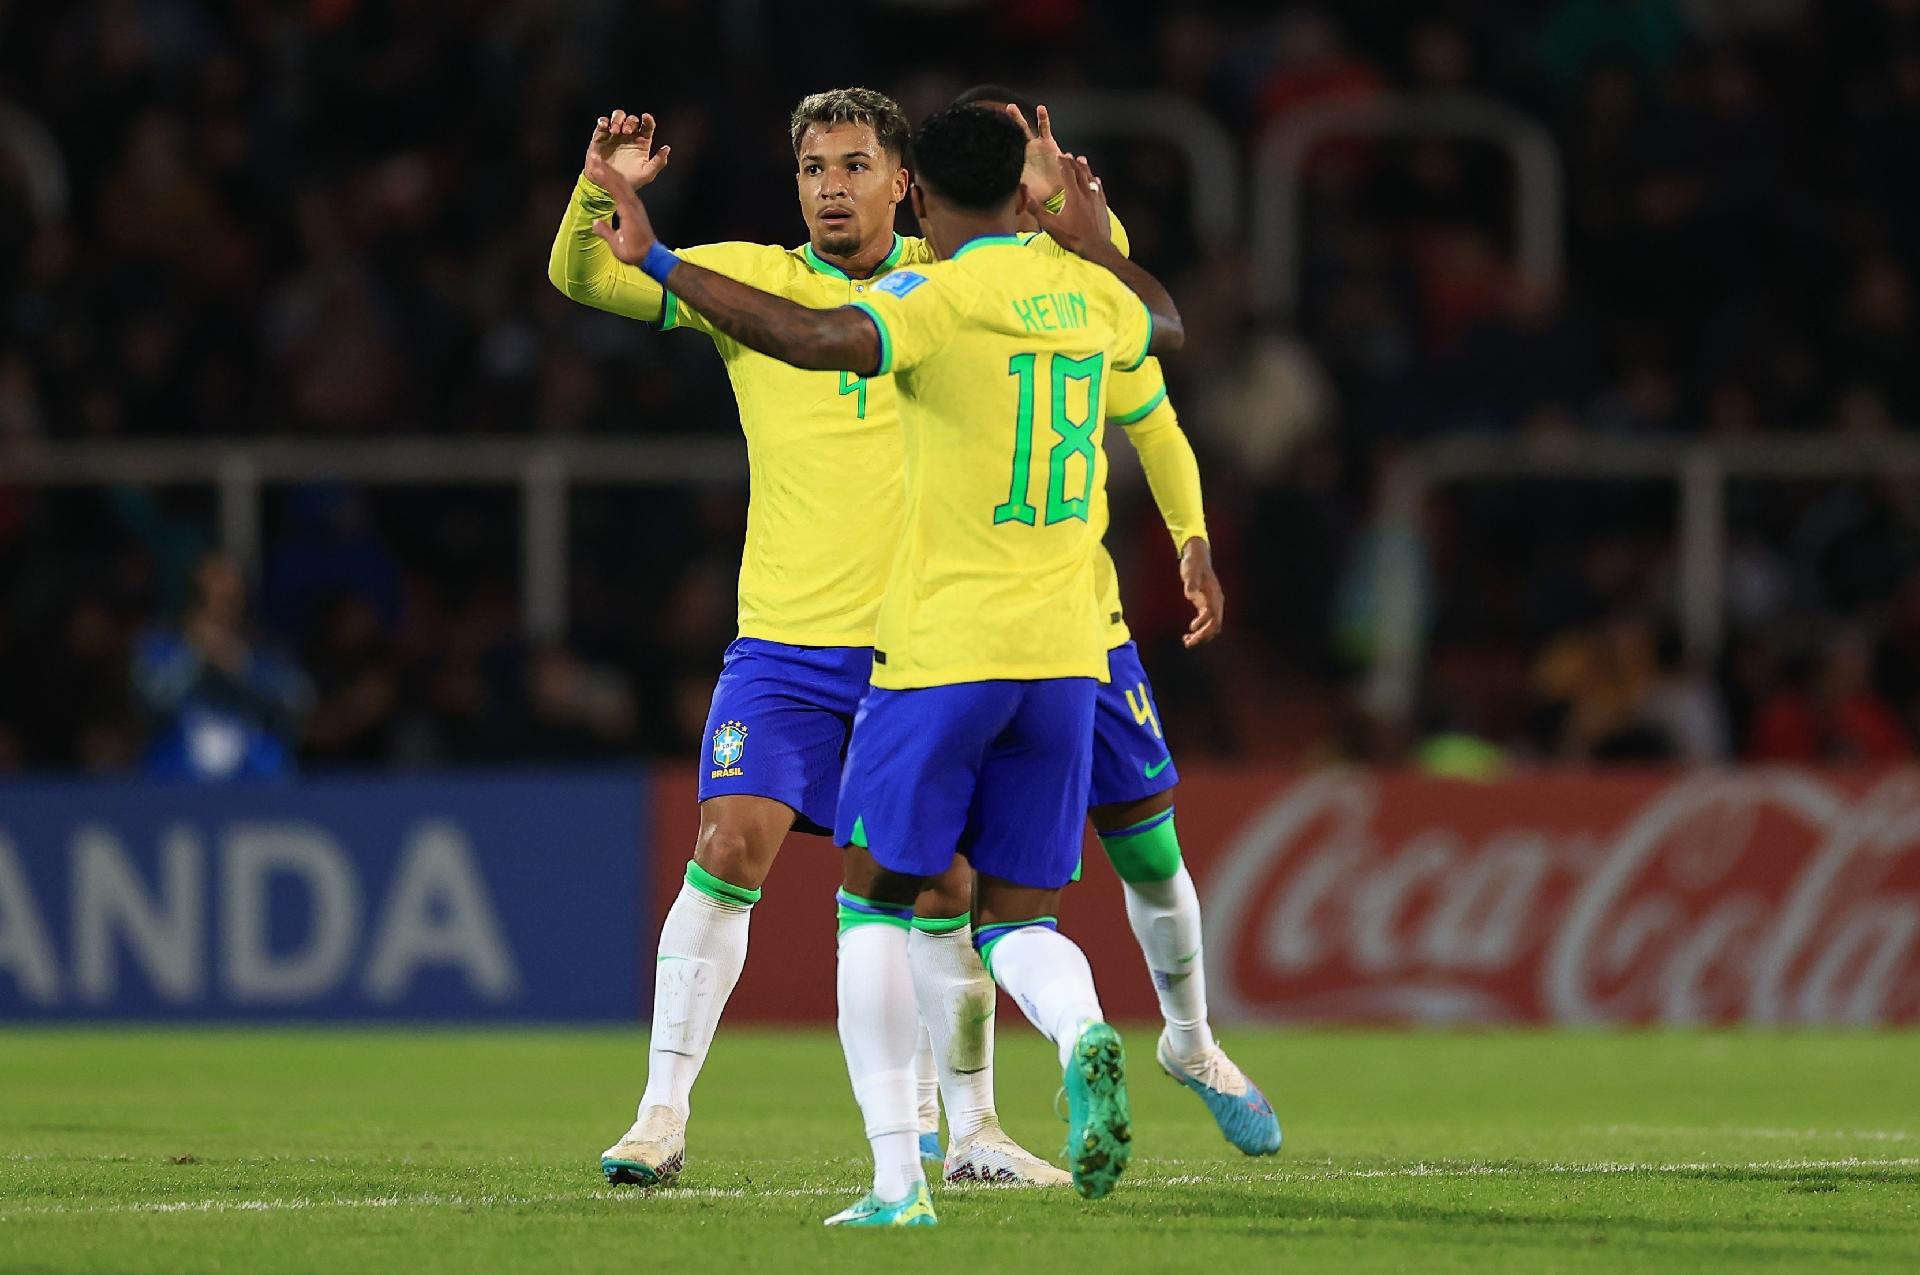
<point x="430" y="1151"/>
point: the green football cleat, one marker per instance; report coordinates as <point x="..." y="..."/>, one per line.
<point x="915" y="1210"/>
<point x="1099" y="1124"/>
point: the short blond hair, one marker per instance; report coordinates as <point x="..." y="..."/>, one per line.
<point x="854" y="106"/>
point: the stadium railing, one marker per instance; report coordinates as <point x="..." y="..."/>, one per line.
<point x="546" y="472"/>
<point x="1281" y="155"/>
<point x="1212" y="159"/>
<point x="1699" y="470"/>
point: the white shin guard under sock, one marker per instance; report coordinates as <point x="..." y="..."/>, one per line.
<point x="879" y="1026"/>
<point x="956" y="1002"/>
<point x="1047" y="974"/>
<point x="703" y="944"/>
<point x="1165" y="916"/>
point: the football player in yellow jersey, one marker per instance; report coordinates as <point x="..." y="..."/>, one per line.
<point x="1131" y="798"/>
<point x="976" y="737"/>
<point x="796" y="697"/>
<point x="811" y="576"/>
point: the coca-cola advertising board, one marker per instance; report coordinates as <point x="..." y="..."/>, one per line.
<point x="1757" y="896"/>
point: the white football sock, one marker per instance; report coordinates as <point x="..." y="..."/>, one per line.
<point x="956" y="1000"/>
<point x="879" y="1025"/>
<point x="1047" y="974"/>
<point x="1166" y="920"/>
<point x="703" y="944"/>
<point x="926" y="1078"/>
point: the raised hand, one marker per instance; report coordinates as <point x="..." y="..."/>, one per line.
<point x="625" y="143"/>
<point x="1081" y="226"/>
<point x="1041" y="176"/>
<point x="635" y="235"/>
<point x="1203" y="590"/>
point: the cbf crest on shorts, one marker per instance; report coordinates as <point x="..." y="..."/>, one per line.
<point x="729" y="746"/>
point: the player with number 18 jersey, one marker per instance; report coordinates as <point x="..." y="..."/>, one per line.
<point x="1002" y="359"/>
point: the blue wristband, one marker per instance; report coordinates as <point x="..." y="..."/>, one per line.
<point x="658" y="261"/>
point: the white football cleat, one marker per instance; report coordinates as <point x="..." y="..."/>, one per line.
<point x="991" y="1156"/>
<point x="1243" y="1113"/>
<point x="651" y="1153"/>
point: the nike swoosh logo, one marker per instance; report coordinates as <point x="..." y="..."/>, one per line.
<point x="1153" y="771"/>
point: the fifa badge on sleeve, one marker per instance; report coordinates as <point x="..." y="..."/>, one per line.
<point x="900" y="282"/>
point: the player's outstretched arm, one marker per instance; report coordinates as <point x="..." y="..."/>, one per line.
<point x="825" y="340"/>
<point x="579" y="265"/>
<point x="1082" y="227"/>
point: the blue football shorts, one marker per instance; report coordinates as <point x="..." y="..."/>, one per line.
<point x="779" y="725"/>
<point x="996" y="771"/>
<point x="1130" y="757"/>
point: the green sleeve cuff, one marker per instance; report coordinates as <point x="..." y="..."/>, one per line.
<point x="1056" y="201"/>
<point x="886" y="337"/>
<point x="1140" y="413"/>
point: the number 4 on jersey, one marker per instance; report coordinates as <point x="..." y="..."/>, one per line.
<point x="851" y="384"/>
<point x="1075" y="437"/>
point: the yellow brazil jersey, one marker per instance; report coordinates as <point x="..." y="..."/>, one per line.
<point x="1001" y="359"/>
<point x="1134" y="395"/>
<point x="815" y="562"/>
<point x="1136" y="400"/>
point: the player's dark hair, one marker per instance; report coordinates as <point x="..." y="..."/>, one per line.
<point x="854" y="106"/>
<point x="969" y="157"/>
<point x="993" y="94"/>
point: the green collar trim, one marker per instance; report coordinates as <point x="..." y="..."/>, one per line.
<point x="825" y="267"/>
<point x="820" y="264"/>
<point x="984" y="241"/>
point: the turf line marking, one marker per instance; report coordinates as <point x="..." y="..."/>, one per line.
<point x="441" y="1200"/>
<point x="1605" y="1168"/>
<point x="1701" y="1131"/>
<point x="1600" y="1169"/>
<point x="300" y="1203"/>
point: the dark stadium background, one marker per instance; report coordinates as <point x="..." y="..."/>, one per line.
<point x="329" y="221"/>
<point x="1558" y="460"/>
<point x="1550" y="799"/>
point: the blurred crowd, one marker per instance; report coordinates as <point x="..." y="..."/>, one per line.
<point x="330" y="218"/>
